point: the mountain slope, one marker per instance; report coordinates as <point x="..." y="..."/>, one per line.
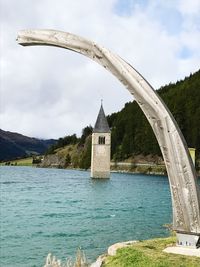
<point x="14" y="145"/>
<point x="132" y="134"/>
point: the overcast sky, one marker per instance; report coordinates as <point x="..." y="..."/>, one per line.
<point x="47" y="92"/>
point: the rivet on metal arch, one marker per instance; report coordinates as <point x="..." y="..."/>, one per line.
<point x="181" y="172"/>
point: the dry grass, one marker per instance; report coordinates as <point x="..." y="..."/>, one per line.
<point x="80" y="261"/>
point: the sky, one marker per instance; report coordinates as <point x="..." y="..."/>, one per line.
<point x="48" y="92"/>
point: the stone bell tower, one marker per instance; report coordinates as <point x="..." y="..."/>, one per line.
<point x="100" y="160"/>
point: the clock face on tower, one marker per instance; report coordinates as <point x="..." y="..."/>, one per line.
<point x="100" y="150"/>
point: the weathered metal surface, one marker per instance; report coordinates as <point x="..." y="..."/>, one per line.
<point x="181" y="172"/>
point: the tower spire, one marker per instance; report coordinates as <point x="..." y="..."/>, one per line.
<point x="101" y="125"/>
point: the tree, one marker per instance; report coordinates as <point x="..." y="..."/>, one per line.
<point x="67" y="160"/>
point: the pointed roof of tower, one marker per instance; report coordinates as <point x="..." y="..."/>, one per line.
<point x="101" y="125"/>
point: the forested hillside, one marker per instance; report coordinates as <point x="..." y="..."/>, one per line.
<point x="131" y="132"/>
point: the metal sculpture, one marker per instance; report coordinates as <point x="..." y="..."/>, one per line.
<point x="181" y="172"/>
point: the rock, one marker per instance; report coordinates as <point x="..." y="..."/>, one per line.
<point x="98" y="262"/>
<point x="53" y="160"/>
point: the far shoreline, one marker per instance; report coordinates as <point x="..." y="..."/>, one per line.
<point x="147" y="169"/>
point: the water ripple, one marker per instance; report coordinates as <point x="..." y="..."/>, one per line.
<point x="45" y="210"/>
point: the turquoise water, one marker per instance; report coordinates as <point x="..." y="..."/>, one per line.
<point x="54" y="210"/>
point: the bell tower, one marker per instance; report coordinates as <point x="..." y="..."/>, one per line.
<point x="101" y="140"/>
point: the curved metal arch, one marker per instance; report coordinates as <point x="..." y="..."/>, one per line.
<point x="181" y="172"/>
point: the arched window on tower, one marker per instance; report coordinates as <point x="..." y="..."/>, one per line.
<point x="101" y="140"/>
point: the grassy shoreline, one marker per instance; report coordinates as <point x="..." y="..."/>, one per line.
<point x="149" y="253"/>
<point x="149" y="169"/>
<point x="18" y="162"/>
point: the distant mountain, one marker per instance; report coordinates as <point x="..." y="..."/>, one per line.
<point x="15" y="145"/>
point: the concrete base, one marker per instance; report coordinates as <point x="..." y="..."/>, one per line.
<point x="100" y="175"/>
<point x="112" y="250"/>
<point x="100" y="178"/>
<point x="183" y="251"/>
<point x="191" y="241"/>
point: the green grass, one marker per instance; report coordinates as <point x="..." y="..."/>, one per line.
<point x="20" y="162"/>
<point x="150" y="253"/>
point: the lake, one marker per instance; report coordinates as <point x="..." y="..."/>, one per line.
<point x="57" y="211"/>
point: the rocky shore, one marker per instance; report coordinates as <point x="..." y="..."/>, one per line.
<point x="139" y="164"/>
